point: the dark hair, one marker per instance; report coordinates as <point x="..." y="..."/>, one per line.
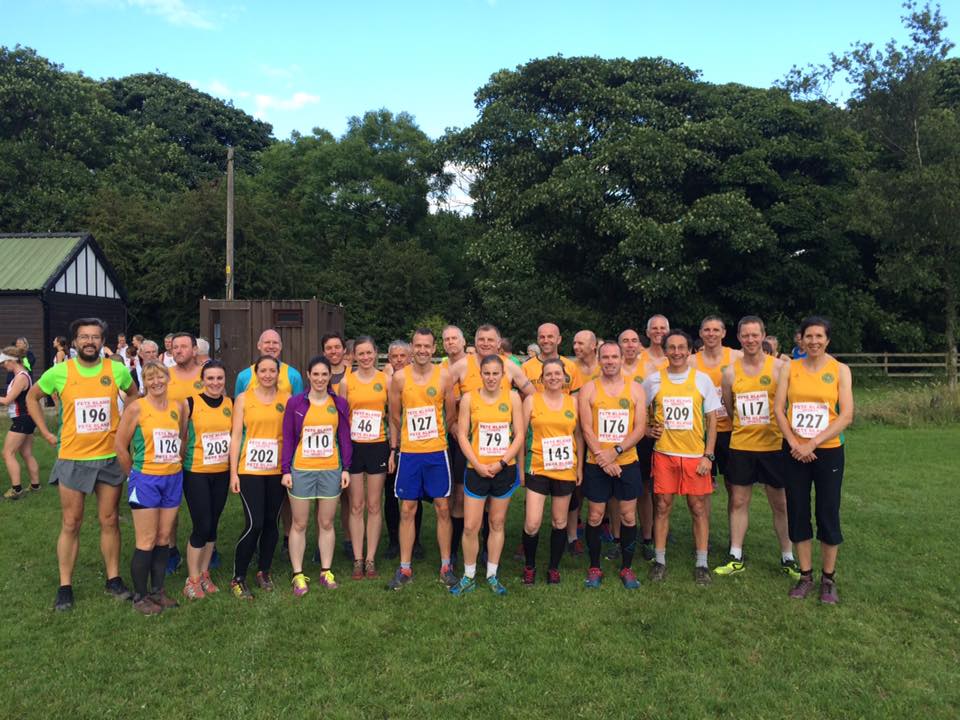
<point x="361" y="339"/>
<point x="256" y="365"/>
<point x="193" y="340"/>
<point x="81" y="322"/>
<point x="331" y="336"/>
<point x="815" y="321"/>
<point x="766" y="347"/>
<point x="211" y="365"/>
<point x="712" y="318"/>
<point x="553" y="361"/>
<point x="748" y="319"/>
<point x="609" y="342"/>
<point x="62" y="341"/>
<point x="681" y="333"/>
<point x="486" y="328"/>
<point x="506" y="345"/>
<point x="319" y="360"/>
<point x="425" y="331"/>
<point x="487" y="359"/>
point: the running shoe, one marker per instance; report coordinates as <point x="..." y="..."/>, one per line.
<point x="370" y="570"/>
<point x="240" y="590"/>
<point x="594" y="578"/>
<point x="629" y="579"/>
<point x="357" y="570"/>
<point x="174" y="561"/>
<point x="264" y="581"/>
<point x="575" y="547"/>
<point x="828" y="592"/>
<point x="447" y="576"/>
<point x="790" y="568"/>
<point x="529" y="575"/>
<point x="13" y="493"/>
<point x="34" y="488"/>
<point x="496" y="586"/>
<point x="464" y="585"/>
<point x="193" y="590"/>
<point x="64" y="599"/>
<point x="300" y="587"/>
<point x="647" y="551"/>
<point x="658" y="571"/>
<point x="701" y="575"/>
<point x="215" y="559"/>
<point x="803" y="587"/>
<point x="392" y="552"/>
<point x="207" y="584"/>
<point x="146" y="606"/>
<point x="553" y="576"/>
<point x="613" y="552"/>
<point x="116" y="589"/>
<point x="327" y="580"/>
<point x="732" y="567"/>
<point x="163" y="600"/>
<point x="418" y="552"/>
<point x="400" y="578"/>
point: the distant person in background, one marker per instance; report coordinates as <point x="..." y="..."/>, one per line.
<point x="19" y="438"/>
<point x="203" y="351"/>
<point x="149" y="350"/>
<point x="533" y="350"/>
<point x="61" y="349"/>
<point x="289" y="381"/>
<point x="334" y="350"/>
<point x="798" y="352"/>
<point x="471" y="350"/>
<point x="121" y="345"/>
<point x="767" y="348"/>
<point x="29" y="359"/>
<point x="775" y="348"/>
<point x="348" y="354"/>
<point x="137" y="339"/>
<point x="167" y="350"/>
<point x="506" y="347"/>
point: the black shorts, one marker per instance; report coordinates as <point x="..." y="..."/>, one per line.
<point x="746" y="467"/>
<point x="598" y="487"/>
<point x="722" y="453"/>
<point x="458" y="461"/>
<point x="548" y="486"/>
<point x="370" y="458"/>
<point x="824" y="476"/>
<point x="645" y="457"/>
<point x="23" y="425"/>
<point x="500" y="486"/>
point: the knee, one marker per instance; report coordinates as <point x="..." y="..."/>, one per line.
<point x="740" y="501"/>
<point x="471" y="526"/>
<point x="298" y="525"/>
<point x="408" y="510"/>
<point x="698" y="509"/>
<point x="109" y="520"/>
<point x="595" y="517"/>
<point x="532" y="528"/>
<point x="443" y="511"/>
<point x="162" y="538"/>
<point x="559" y="523"/>
<point x="325" y="524"/>
<point x="628" y="517"/>
<point x="71" y="524"/>
<point x="496" y="524"/>
<point x="356" y="506"/>
<point x="373" y="507"/>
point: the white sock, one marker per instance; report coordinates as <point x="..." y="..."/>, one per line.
<point x="470" y="571"/>
<point x="787" y="556"/>
<point x="492" y="569"/>
<point x="737" y="552"/>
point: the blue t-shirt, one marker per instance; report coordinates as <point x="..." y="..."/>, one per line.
<point x="289" y="376"/>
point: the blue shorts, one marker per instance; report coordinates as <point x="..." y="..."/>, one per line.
<point x="422" y="475"/>
<point x="147" y="492"/>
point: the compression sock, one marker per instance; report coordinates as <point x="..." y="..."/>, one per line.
<point x="628" y="544"/>
<point x="593" y="544"/>
<point x="530" y="548"/>
<point x="558" y="540"/>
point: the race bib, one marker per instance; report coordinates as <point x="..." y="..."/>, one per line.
<point x="678" y="413"/>
<point x="612" y="425"/>
<point x="557" y="452"/>
<point x="317" y="441"/>
<point x="166" y="446"/>
<point x="422" y="423"/>
<point x="722" y="410"/>
<point x="216" y="447"/>
<point x="809" y="419"/>
<point x="365" y="425"/>
<point x="262" y="454"/>
<point x="753" y="408"/>
<point x="494" y="438"/>
<point x="92" y="414"/>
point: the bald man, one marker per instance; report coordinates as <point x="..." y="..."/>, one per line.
<point x="289" y="379"/>
<point x="585" y="351"/>
<point x="549" y="339"/>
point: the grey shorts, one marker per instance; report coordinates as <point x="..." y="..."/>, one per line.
<point x="83" y="475"/>
<point x="315" y="484"/>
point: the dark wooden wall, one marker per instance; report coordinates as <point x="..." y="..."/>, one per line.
<point x="63" y="309"/>
<point x="22" y="315"/>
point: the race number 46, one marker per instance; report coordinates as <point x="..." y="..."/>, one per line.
<point x="365" y="425"/>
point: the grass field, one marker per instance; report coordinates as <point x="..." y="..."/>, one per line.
<point x="737" y="649"/>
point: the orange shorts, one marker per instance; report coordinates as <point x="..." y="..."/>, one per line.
<point x="675" y="475"/>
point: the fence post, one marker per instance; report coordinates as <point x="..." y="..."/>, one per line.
<point x="886" y="367"/>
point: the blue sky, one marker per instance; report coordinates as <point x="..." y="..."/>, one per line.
<point x="300" y="65"/>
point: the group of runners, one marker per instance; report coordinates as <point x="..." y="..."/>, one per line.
<point x="621" y="429"/>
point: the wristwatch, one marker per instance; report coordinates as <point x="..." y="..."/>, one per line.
<point x="619" y="449"/>
<point x="503" y="465"/>
<point x="710" y="456"/>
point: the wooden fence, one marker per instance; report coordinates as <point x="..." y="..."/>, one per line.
<point x="899" y="365"/>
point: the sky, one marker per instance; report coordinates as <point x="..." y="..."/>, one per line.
<point x="301" y="65"/>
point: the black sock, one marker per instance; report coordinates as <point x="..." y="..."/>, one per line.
<point x="457" y="535"/>
<point x="140" y="570"/>
<point x="17" y="488"/>
<point x="807" y="573"/>
<point x="158" y="567"/>
<point x="593" y="544"/>
<point x="648" y="541"/>
<point x="628" y="544"/>
<point x="558" y="541"/>
<point x="530" y="548"/>
<point x="34" y="485"/>
<point x="826" y="575"/>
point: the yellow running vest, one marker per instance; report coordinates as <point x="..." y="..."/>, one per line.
<point x="89" y="414"/>
<point x="318" y="448"/>
<point x="678" y="408"/>
<point x="208" y="437"/>
<point x="262" y="434"/>
<point x="423" y="427"/>
<point x="715" y="374"/>
<point x="551" y="443"/>
<point x="754" y="425"/>
<point x="613" y="419"/>
<point x="491" y="427"/>
<point x="813" y="400"/>
<point x="368" y="408"/>
<point x="156" y="439"/>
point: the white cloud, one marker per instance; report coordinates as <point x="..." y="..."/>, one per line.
<point x="174" y="12"/>
<point x="270" y="102"/>
<point x="218" y="88"/>
<point x="283" y="73"/>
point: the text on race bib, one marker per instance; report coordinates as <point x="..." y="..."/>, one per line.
<point x="612" y="425"/>
<point x="753" y="408"/>
<point x="216" y="447"/>
<point x="678" y="413"/>
<point x="809" y="419"/>
<point x="166" y="445"/>
<point x="722" y="410"/>
<point x="422" y="423"/>
<point x="494" y="438"/>
<point x="317" y="441"/>
<point x="365" y="425"/>
<point x="262" y="454"/>
<point x="92" y="415"/>
<point x="557" y="452"/>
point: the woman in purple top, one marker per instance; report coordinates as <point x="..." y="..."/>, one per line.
<point x="316" y="459"/>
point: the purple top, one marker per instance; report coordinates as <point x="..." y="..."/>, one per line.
<point x="293" y="415"/>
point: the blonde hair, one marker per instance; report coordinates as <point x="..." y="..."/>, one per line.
<point x="14" y="352"/>
<point x="152" y="367"/>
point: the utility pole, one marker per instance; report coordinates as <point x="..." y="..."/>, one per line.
<point x="229" y="223"/>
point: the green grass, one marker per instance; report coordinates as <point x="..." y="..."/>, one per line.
<point x="907" y="403"/>
<point x="738" y="649"/>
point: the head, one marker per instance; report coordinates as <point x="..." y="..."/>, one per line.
<point x="774" y="343"/>
<point x="750" y="334"/>
<point x="267" y="369"/>
<point x="533" y="350"/>
<point x="657" y="328"/>
<point x="677" y="346"/>
<point x="333" y="348"/>
<point x="611" y="359"/>
<point x="712" y="332"/>
<point x="269" y="343"/>
<point x="768" y="348"/>
<point x="398" y="354"/>
<point x="88" y="335"/>
<point x="167" y="342"/>
<point x="491" y="372"/>
<point x="423" y="344"/>
<point x="214" y="378"/>
<point x="585" y="346"/>
<point x="149" y="350"/>
<point x="815" y="335"/>
<point x="506" y="346"/>
<point x="183" y="347"/>
<point x="454" y="343"/>
<point x="487" y="340"/>
<point x="203" y="349"/>
<point x="22" y="343"/>
<point x="319" y="370"/>
<point x="348" y="352"/>
<point x="548" y="338"/>
<point x="471" y="350"/>
<point x="629" y="341"/>
<point x="553" y="375"/>
<point x="137" y="339"/>
<point x="156" y="377"/>
<point x="365" y="352"/>
<point x="121" y="339"/>
<point x="12" y="358"/>
<point x="60" y="342"/>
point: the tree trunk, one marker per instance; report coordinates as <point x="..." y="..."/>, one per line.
<point x="950" y="328"/>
